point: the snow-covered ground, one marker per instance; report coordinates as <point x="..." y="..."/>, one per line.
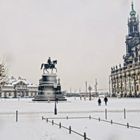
<point x="30" y="125"/>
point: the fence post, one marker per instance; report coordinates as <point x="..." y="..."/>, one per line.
<point x="124" y="113"/>
<point x="69" y="129"/>
<point x="127" y="125"/>
<point x="60" y="125"/>
<point x="47" y="120"/>
<point x="16" y="116"/>
<point x="85" y="136"/>
<point x="89" y="117"/>
<point x="52" y="122"/>
<point x="106" y="114"/>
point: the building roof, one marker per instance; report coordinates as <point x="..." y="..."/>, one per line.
<point x="13" y="81"/>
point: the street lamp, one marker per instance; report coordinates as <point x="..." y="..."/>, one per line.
<point x="55" y="107"/>
<point x="90" y="88"/>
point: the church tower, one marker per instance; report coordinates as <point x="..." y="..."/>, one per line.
<point x="133" y="23"/>
<point x="125" y="79"/>
<point x="133" y="37"/>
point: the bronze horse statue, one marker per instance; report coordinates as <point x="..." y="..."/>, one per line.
<point x="47" y="66"/>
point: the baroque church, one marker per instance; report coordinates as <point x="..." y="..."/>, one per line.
<point x="125" y="80"/>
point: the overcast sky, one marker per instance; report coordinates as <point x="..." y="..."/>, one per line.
<point x="87" y="37"/>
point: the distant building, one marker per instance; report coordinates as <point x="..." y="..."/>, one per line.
<point x="18" y="88"/>
<point x="92" y="94"/>
<point x="125" y="80"/>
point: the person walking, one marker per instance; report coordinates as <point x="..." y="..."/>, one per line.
<point x="99" y="101"/>
<point x="105" y="100"/>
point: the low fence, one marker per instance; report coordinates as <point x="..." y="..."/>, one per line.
<point x="67" y="128"/>
<point x="112" y="122"/>
<point x="98" y="119"/>
<point x="124" y="112"/>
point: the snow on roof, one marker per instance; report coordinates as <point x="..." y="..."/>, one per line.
<point x="18" y="81"/>
<point x="32" y="85"/>
<point x="13" y="81"/>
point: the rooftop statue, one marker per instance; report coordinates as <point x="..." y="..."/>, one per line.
<point x="49" y="65"/>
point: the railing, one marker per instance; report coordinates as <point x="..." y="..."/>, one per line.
<point x="112" y="122"/>
<point x="98" y="119"/>
<point x="72" y="112"/>
<point x="67" y="128"/>
<point x="125" y="112"/>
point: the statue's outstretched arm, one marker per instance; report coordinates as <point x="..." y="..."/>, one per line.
<point x="55" y="61"/>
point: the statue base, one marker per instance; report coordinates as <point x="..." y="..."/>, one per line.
<point x="49" y="89"/>
<point x="45" y="98"/>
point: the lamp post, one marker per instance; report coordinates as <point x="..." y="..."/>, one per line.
<point x="95" y="86"/>
<point x="55" y="107"/>
<point x="90" y="88"/>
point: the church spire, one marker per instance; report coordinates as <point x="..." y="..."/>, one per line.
<point x="133" y="23"/>
<point x="133" y="12"/>
<point x="132" y="6"/>
<point x="133" y="37"/>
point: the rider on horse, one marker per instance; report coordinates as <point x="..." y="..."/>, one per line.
<point x="49" y="65"/>
<point x="49" y="61"/>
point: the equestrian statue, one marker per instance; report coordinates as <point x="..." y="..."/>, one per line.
<point x="49" y="65"/>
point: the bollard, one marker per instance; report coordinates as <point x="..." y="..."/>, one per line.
<point x="42" y="118"/>
<point x="47" y="120"/>
<point x="67" y="117"/>
<point x="85" y="136"/>
<point x="52" y="122"/>
<point x="124" y="113"/>
<point x="69" y="129"/>
<point x="106" y="114"/>
<point x="89" y="117"/>
<point x="16" y="116"/>
<point x="60" y="125"/>
<point x="99" y="119"/>
<point x="111" y="121"/>
<point x="127" y="125"/>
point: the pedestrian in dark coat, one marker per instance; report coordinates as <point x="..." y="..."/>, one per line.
<point x="99" y="101"/>
<point x="105" y="100"/>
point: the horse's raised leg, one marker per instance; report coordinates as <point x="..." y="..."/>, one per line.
<point x="56" y="69"/>
<point x="47" y="71"/>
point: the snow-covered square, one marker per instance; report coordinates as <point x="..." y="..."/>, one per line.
<point x="79" y="114"/>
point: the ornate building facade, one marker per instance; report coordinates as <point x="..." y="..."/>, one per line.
<point x="15" y="88"/>
<point x="125" y="80"/>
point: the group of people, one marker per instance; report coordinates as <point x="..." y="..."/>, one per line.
<point x="105" y="100"/>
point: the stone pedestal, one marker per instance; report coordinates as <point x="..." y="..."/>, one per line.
<point x="49" y="89"/>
